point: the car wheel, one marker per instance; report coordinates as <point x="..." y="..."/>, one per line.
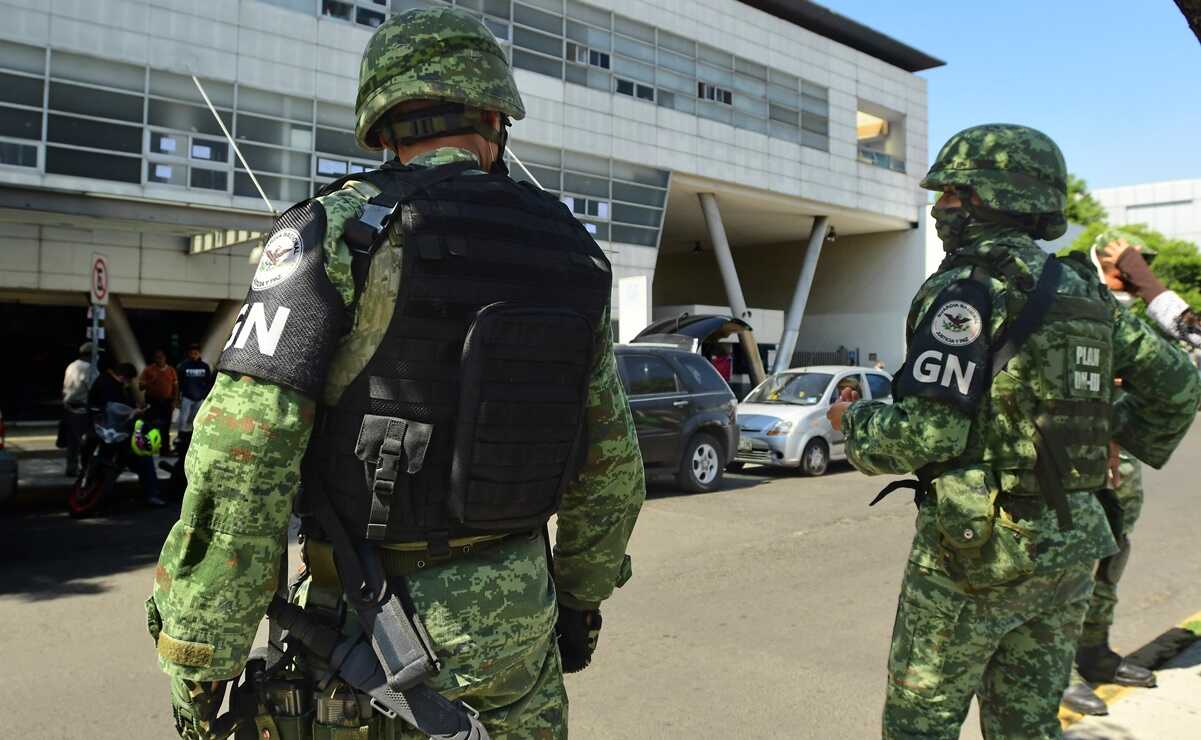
<point x="816" y="458"/>
<point x="702" y="465"/>
<point x="734" y="466"/>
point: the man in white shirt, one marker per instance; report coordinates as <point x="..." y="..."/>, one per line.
<point x="77" y="380"/>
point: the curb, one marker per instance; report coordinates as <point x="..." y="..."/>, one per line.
<point x="1151" y="656"/>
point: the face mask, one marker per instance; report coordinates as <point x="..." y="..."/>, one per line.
<point x="950" y="223"/>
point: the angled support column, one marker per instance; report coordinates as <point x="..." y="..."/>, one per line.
<point x="729" y="277"/>
<point x="122" y="343"/>
<point x="796" y="309"/>
<point x="218" y="331"/>
<point x="120" y="339"/>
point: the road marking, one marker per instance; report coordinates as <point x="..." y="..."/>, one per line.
<point x="1110" y="692"/>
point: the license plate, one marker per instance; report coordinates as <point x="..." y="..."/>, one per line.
<point x="744" y="445"/>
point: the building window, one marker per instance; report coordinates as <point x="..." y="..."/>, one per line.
<point x="584" y="55"/>
<point x="587" y="206"/>
<point x="369" y="13"/>
<point x="635" y="89"/>
<point x="18" y="155"/>
<point x="881" y="137"/>
<point x="209" y="149"/>
<point x="207" y="179"/>
<point x="706" y="91"/>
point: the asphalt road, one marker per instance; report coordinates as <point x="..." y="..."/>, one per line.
<point x="762" y="610"/>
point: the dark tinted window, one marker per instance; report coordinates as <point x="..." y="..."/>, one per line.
<point x="646" y="375"/>
<point x="701" y="376"/>
<point x="880" y="385"/>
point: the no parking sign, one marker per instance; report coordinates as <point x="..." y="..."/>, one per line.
<point x="99" y="282"/>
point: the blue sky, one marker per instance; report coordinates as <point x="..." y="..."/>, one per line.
<point x="1117" y="83"/>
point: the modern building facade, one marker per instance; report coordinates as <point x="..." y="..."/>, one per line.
<point x="1172" y="208"/>
<point x="760" y="158"/>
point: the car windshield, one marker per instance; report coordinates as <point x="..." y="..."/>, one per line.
<point x="798" y="389"/>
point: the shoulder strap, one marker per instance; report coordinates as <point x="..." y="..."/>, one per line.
<point x="364" y="234"/>
<point x="1030" y="318"/>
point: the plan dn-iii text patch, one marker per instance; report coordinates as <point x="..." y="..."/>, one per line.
<point x="289" y="325"/>
<point x="1088" y="376"/>
<point x="948" y="358"/>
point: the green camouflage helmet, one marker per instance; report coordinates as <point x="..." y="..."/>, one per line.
<point x="1013" y="169"/>
<point x="432" y="54"/>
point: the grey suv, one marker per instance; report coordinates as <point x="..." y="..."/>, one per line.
<point x="683" y="411"/>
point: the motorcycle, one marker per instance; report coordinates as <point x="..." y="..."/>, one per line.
<point x="117" y="437"/>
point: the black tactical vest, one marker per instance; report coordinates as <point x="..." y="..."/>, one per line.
<point x="468" y="418"/>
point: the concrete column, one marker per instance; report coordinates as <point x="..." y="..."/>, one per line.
<point x="796" y="309"/>
<point x="729" y="277"/>
<point x="121" y="342"/>
<point x="218" y="331"/>
<point x="119" y="336"/>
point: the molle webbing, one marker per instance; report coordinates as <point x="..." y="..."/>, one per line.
<point x="1072" y="432"/>
<point x="509" y="263"/>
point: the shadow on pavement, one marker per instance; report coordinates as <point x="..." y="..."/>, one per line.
<point x="47" y="555"/>
<point x="1100" y="730"/>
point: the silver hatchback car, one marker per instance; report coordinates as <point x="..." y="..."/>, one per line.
<point x="782" y="422"/>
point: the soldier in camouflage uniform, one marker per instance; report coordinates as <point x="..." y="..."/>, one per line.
<point x="1008" y="436"/>
<point x="491" y="606"/>
<point x="1123" y="265"/>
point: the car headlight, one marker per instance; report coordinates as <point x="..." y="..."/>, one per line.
<point x="779" y="429"/>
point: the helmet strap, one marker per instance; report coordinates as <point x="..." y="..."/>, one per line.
<point x="448" y="119"/>
<point x="499" y="166"/>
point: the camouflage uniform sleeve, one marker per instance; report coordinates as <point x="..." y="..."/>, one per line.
<point x="219" y="565"/>
<point x="1162" y="390"/>
<point x="904" y="436"/>
<point x="600" y="507"/>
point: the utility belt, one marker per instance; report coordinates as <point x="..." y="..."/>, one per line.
<point x="983" y="538"/>
<point x="399" y="559"/>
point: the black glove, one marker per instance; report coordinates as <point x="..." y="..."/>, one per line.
<point x="578" y="632"/>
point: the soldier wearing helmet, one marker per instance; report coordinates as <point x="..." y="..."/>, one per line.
<point x="425" y="357"/>
<point x="1123" y="263"/>
<point x="1004" y="414"/>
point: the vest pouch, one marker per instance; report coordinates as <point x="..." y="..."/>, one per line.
<point x="344" y="714"/>
<point x="982" y="545"/>
<point x="391" y="450"/>
<point x="966" y="508"/>
<point x="287" y="728"/>
<point x="523" y="389"/>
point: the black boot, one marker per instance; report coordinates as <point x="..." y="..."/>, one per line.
<point x="1081" y="698"/>
<point x="1100" y="664"/>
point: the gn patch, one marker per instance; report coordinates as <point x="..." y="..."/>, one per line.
<point x="289" y="326"/>
<point x="1088" y="376"/>
<point x="948" y="357"/>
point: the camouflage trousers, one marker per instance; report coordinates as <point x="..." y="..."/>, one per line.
<point x="1099" y="617"/>
<point x="491" y="618"/>
<point x="1011" y="646"/>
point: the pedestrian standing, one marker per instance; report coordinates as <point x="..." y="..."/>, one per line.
<point x="161" y="386"/>
<point x="432" y="339"/>
<point x="195" y="379"/>
<point x="1004" y="411"/>
<point x="77" y="381"/>
<point x="722" y="359"/>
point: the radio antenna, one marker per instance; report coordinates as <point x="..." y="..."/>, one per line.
<point x="525" y="169"/>
<point x="234" y="144"/>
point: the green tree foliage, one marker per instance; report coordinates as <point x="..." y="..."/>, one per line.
<point x="1177" y="263"/>
<point x="1083" y="208"/>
